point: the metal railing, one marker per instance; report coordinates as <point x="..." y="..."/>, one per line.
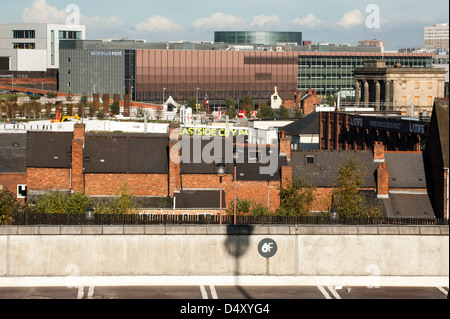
<point x="29" y="219"/>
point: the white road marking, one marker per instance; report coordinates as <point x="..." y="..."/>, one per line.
<point x="90" y="292"/>
<point x="80" y="292"/>
<point x="204" y="293"/>
<point x="445" y="292"/>
<point x="324" y="292"/>
<point x="213" y="292"/>
<point x="334" y="292"/>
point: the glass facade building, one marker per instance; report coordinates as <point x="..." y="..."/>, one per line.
<point x="150" y="73"/>
<point x="257" y="37"/>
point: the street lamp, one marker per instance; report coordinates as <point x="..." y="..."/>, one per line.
<point x="334" y="214"/>
<point x="90" y="213"/>
<point x="220" y="168"/>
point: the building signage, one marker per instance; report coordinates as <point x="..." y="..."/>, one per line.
<point x="402" y="126"/>
<point x="106" y="53"/>
<point x="203" y="131"/>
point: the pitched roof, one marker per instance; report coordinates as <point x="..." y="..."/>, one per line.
<point x="323" y="172"/>
<point x="200" y="199"/>
<point x="307" y="125"/>
<point x="126" y="153"/>
<point x="408" y="205"/>
<point x="408" y="170"/>
<point x="49" y="149"/>
<point x="442" y="115"/>
<point x="13" y="153"/>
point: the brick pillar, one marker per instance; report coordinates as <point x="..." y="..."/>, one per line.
<point x="116" y="98"/>
<point x="174" y="159"/>
<point x="126" y="105"/>
<point x="106" y="103"/>
<point x="378" y="152"/>
<point x="382" y="181"/>
<point x="96" y="99"/>
<point x="77" y="157"/>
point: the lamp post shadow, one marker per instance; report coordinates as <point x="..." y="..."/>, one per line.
<point x="237" y="244"/>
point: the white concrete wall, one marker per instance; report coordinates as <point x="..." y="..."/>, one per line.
<point x="211" y="251"/>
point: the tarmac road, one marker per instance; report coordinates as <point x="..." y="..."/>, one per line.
<point x="223" y="292"/>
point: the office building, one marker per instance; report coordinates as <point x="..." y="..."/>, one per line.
<point x="436" y="37"/>
<point x="151" y="72"/>
<point x="258" y="37"/>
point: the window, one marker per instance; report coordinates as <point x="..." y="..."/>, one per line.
<point x="29" y="46"/>
<point x="404" y="85"/>
<point x="430" y="85"/>
<point x="416" y="100"/>
<point x="417" y="85"/>
<point x="403" y="100"/>
<point x="24" y="34"/>
<point x="430" y="101"/>
<point x="70" y="35"/>
<point x="310" y="159"/>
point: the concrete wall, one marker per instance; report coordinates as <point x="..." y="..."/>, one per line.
<point x="224" y="251"/>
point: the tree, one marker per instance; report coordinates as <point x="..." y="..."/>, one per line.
<point x="265" y="112"/>
<point x="123" y="203"/>
<point x="8" y="205"/>
<point x="230" y="104"/>
<point x="296" y="198"/>
<point x="192" y="103"/>
<point x="62" y="203"/>
<point x="347" y="198"/>
<point x="283" y="113"/>
<point x="247" y="104"/>
<point x="115" y="108"/>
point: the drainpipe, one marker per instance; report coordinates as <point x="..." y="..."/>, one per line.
<point x="447" y="190"/>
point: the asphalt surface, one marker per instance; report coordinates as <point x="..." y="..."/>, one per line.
<point x="224" y="292"/>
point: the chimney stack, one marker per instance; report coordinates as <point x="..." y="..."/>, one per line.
<point x="378" y="152"/>
<point x="382" y="181"/>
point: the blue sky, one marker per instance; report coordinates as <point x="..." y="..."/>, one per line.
<point x="401" y="22"/>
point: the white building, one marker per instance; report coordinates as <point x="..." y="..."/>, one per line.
<point x="34" y="47"/>
<point x="436" y="37"/>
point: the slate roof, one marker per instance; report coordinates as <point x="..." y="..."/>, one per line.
<point x="408" y="170"/>
<point x="13" y="153"/>
<point x="408" y="205"/>
<point x="245" y="169"/>
<point x="200" y="199"/>
<point x="49" y="149"/>
<point x="307" y="125"/>
<point x="326" y="165"/>
<point x="126" y="153"/>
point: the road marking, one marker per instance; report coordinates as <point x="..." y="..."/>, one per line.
<point x="213" y="292"/>
<point x="324" y="292"/>
<point x="334" y="292"/>
<point x="91" y="292"/>
<point x="445" y="292"/>
<point x="204" y="293"/>
<point x="80" y="292"/>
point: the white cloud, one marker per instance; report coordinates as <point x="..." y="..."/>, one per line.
<point x="264" y="21"/>
<point x="219" y="21"/>
<point x="157" y="23"/>
<point x="309" y="21"/>
<point x="352" y="18"/>
<point x="41" y="12"/>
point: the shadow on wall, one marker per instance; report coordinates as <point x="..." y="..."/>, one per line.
<point x="237" y="244"/>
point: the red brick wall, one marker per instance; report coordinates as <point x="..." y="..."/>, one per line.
<point x="250" y="190"/>
<point x="48" y="178"/>
<point x="138" y="184"/>
<point x="10" y="181"/>
<point x="77" y="157"/>
<point x="378" y="151"/>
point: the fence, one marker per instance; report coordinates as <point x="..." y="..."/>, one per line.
<point x="22" y="219"/>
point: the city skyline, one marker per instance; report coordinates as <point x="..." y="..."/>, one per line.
<point x="400" y="24"/>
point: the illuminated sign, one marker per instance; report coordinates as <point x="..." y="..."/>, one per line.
<point x="202" y="131"/>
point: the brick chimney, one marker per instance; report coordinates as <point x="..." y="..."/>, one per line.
<point x="78" y="157"/>
<point x="382" y="181"/>
<point x="285" y="146"/>
<point x="174" y="159"/>
<point x="378" y="152"/>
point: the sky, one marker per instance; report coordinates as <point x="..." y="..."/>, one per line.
<point x="399" y="23"/>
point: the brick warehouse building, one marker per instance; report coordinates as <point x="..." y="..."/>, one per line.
<point x="158" y="174"/>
